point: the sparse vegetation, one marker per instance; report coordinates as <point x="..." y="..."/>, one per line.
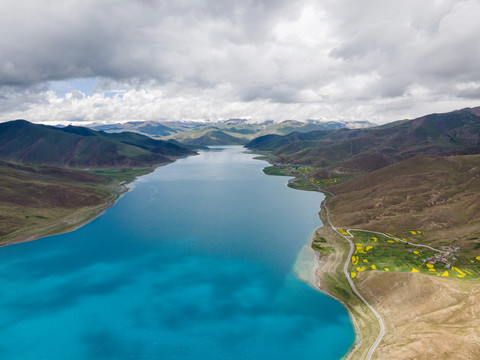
<point x="40" y="200"/>
<point x="434" y="195"/>
<point x="299" y="182"/>
<point x="278" y="170"/>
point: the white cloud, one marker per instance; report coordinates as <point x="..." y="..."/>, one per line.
<point x="158" y="59"/>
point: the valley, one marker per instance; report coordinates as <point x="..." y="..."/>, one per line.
<point x="403" y="203"/>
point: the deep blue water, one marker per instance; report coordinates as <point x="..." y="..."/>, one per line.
<point x="194" y="263"/>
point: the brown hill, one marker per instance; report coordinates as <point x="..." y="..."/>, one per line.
<point x="440" y="196"/>
<point x="35" y="199"/>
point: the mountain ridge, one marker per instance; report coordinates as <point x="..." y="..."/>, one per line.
<point x="235" y="131"/>
<point x="344" y="150"/>
<point x="72" y="146"/>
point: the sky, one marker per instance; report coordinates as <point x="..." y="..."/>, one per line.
<point x="84" y="61"/>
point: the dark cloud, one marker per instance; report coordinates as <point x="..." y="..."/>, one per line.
<point x="21" y="97"/>
<point x="214" y="59"/>
<point x="160" y="40"/>
<point x="409" y="43"/>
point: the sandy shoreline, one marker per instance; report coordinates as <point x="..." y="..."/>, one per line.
<point x="325" y="274"/>
<point x="308" y="267"/>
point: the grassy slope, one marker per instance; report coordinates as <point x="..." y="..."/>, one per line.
<point x="37" y="201"/>
<point x="215" y="137"/>
<point x="440" y="197"/>
<point x="363" y="150"/>
<point x="21" y="141"/>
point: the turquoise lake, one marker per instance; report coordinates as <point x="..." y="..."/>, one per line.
<point x="195" y="262"/>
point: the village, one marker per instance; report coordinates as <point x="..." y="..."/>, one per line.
<point x="447" y="256"/>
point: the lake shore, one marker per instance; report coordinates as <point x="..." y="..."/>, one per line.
<point x="329" y="279"/>
<point x="425" y="317"/>
<point x="323" y="270"/>
<point x="65" y="218"/>
<point x="69" y="222"/>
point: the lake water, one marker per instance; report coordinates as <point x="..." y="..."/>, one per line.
<point x="194" y="263"/>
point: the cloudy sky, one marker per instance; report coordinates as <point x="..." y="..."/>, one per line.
<point x="68" y="61"/>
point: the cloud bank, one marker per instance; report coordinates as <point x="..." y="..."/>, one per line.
<point x="262" y="59"/>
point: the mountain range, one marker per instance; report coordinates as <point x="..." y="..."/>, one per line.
<point x="362" y="150"/>
<point x="228" y="132"/>
<point x="80" y="147"/>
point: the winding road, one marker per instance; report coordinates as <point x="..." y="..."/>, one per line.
<point x="347" y="262"/>
<point x="394" y="238"/>
<point x="381" y="333"/>
<point x="354" y="289"/>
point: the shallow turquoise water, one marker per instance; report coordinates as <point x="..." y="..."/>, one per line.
<point x="194" y="263"/>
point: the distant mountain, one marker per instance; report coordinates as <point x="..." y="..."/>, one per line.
<point x="150" y="128"/>
<point x="239" y="131"/>
<point x="215" y="137"/>
<point x="360" y="150"/>
<point x="145" y="127"/>
<point x="21" y="141"/>
<point x="235" y="122"/>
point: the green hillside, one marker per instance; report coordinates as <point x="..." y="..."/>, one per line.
<point x="78" y="147"/>
<point x="150" y="128"/>
<point x="360" y="150"/>
<point x="215" y="137"/>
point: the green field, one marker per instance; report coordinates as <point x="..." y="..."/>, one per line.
<point x="278" y="170"/>
<point x="323" y="183"/>
<point x="374" y="252"/>
<point x="300" y="181"/>
<point x="123" y="175"/>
